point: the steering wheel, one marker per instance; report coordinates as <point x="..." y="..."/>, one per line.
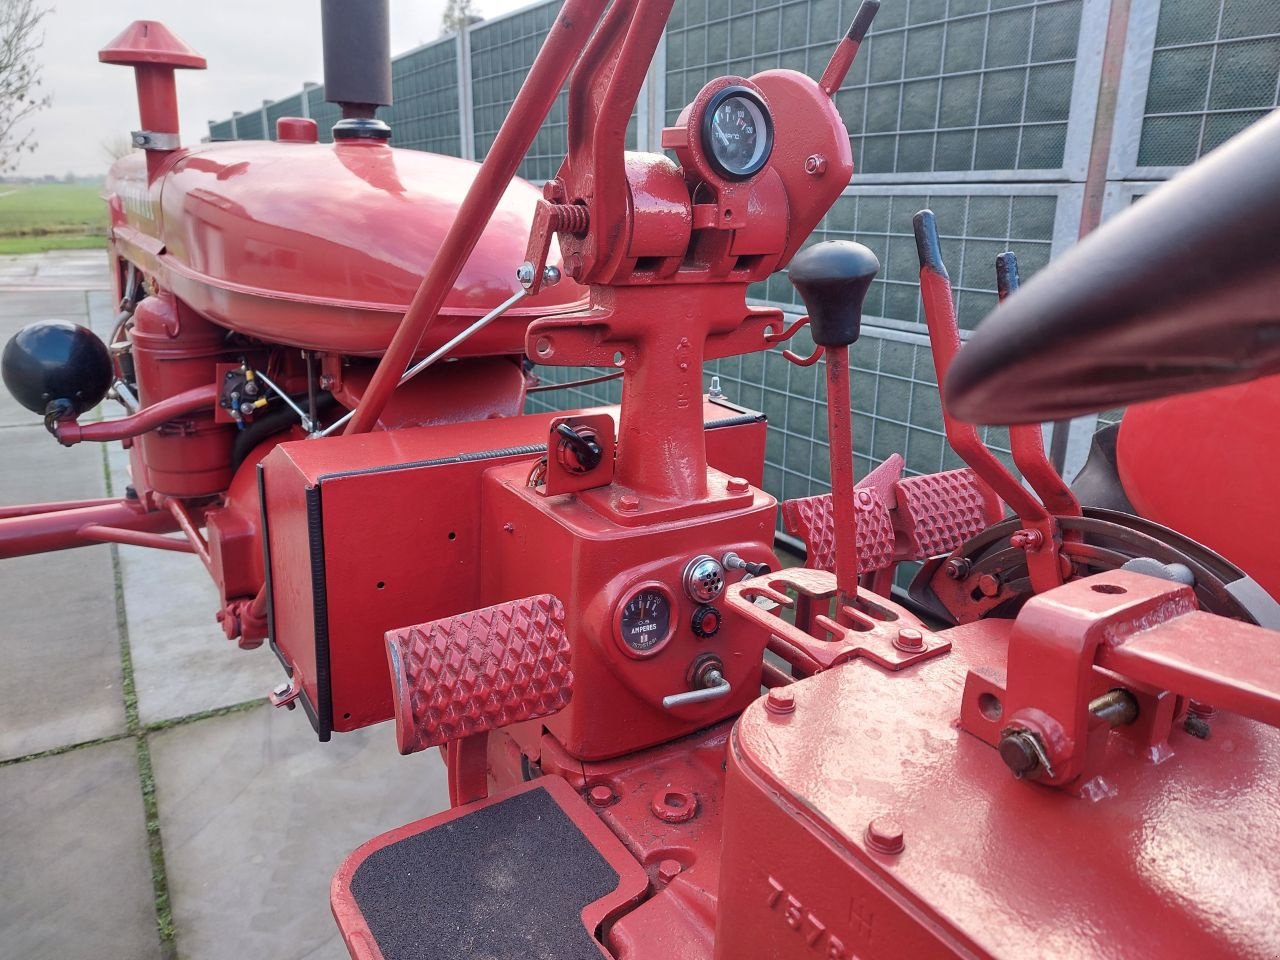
<point x="1179" y="293"/>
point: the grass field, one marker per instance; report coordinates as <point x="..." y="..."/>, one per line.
<point x="50" y="216"/>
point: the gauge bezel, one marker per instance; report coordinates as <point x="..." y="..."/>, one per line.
<point x="673" y="618"/>
<point x="706" y="134"/>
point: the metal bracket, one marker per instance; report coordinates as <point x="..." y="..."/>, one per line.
<point x="285" y="694"/>
<point x="150" y="140"/>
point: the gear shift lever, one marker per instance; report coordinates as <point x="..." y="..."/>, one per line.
<point x="832" y="278"/>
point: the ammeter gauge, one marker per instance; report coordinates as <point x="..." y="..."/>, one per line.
<point x="644" y="620"/>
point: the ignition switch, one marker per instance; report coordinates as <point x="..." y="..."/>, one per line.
<point x="577" y="451"/>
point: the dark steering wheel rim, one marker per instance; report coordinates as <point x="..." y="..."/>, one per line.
<point x="1179" y="293"/>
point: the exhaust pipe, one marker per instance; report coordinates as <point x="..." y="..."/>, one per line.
<point x="357" y="65"/>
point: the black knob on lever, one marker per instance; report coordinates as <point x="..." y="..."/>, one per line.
<point x="832" y="279"/>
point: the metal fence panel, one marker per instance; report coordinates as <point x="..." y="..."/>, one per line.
<point x="221" y="130"/>
<point x="502" y="51"/>
<point x="976" y="222"/>
<point x="249" y="126"/>
<point x="325" y="114"/>
<point x="425" y="113"/>
<point x="1197" y="72"/>
<point x="951" y="87"/>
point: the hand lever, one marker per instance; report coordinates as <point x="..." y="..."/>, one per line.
<point x="832" y="279"/>
<point x="944" y="344"/>
<point x="710" y="685"/>
<point x="1026" y="441"/>
<point x="847" y="49"/>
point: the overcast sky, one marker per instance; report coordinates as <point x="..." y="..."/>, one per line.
<point x="256" y="49"/>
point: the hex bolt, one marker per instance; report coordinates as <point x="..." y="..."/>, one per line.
<point x="989" y="584"/>
<point x="1197" y="726"/>
<point x="909" y="640"/>
<point x="629" y="503"/>
<point x="668" y="870"/>
<point x="780" y="701"/>
<point x="737" y="485"/>
<point x="957" y="568"/>
<point x="884" y="835"/>
<point x="600" y="795"/>
<point x="553" y="191"/>
<point x="815" y="165"/>
<point x="1027" y="540"/>
<point x="1021" y="753"/>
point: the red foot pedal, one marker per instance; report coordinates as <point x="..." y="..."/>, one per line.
<point x="813" y="521"/>
<point x="940" y="511"/>
<point x="479" y="671"/>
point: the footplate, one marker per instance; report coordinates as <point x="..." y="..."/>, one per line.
<point x="478" y="671"/>
<point x="530" y="872"/>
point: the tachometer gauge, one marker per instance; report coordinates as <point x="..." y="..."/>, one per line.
<point x="737" y="133"/>
<point x="644" y="620"/>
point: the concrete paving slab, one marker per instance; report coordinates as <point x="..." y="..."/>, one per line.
<point x="76" y="884"/>
<point x="18" y="268"/>
<point x="17" y="309"/>
<point x="59" y="644"/>
<point x="87" y="269"/>
<point x="101" y="307"/>
<point x="82" y="269"/>
<point x="255" y="817"/>
<point x="59" y="639"/>
<point x="182" y="661"/>
<point x="34" y="467"/>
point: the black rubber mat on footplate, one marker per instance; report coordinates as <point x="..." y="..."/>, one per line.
<point x="507" y="882"/>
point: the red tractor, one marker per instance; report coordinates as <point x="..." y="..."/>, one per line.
<point x="659" y="744"/>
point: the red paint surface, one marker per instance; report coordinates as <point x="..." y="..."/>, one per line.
<point x="250" y="242"/>
<point x="1207" y="465"/>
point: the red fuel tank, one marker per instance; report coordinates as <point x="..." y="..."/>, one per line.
<point x="322" y="246"/>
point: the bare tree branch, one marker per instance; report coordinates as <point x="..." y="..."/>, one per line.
<point x="458" y="15"/>
<point x="20" y="97"/>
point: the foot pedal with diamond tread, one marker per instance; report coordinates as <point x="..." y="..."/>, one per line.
<point x="478" y="671"/>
